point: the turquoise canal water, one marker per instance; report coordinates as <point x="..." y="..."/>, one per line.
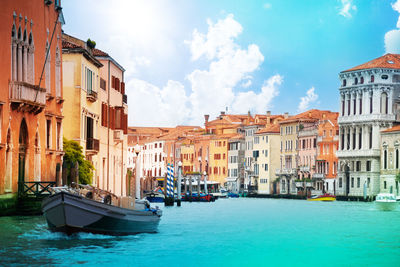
<point x="228" y="232"/>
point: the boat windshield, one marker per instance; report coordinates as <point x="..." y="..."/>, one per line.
<point x="385" y="198"/>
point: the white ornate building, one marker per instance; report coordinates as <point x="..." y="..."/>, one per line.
<point x="369" y="103"/>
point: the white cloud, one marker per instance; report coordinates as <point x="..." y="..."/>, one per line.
<point x="346" y="8"/>
<point x="217" y="41"/>
<point x="392" y="38"/>
<point x="305" y="101"/>
<point x="261" y="102"/>
<point x="154" y="106"/>
<point x="212" y="89"/>
<point x="267" y="5"/>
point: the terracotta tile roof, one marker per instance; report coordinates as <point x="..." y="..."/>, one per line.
<point x="272" y="128"/>
<point x="395" y="128"/>
<point x="66" y="44"/>
<point x="388" y="61"/>
<point x="98" y="53"/>
<point x="309" y="115"/>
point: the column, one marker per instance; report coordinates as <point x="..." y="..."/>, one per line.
<point x="351" y="129"/>
<point x="14" y="61"/>
<point x="25" y="64"/>
<point x="356" y="130"/>
<point x="346" y="130"/>
<point x="19" y="58"/>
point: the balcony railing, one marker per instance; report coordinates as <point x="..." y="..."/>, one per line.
<point x="27" y="97"/>
<point x="91" y="96"/>
<point x="118" y="135"/>
<point x="92" y="145"/>
<point x="304" y="168"/>
<point x="285" y="171"/>
<point x="318" y="176"/>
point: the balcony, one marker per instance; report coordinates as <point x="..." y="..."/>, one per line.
<point x="125" y="99"/>
<point x="118" y="135"/>
<point x="318" y="176"/>
<point x="358" y="153"/>
<point x="285" y="171"/>
<point x="27" y="97"/>
<point x="299" y="184"/>
<point x="309" y="184"/>
<point x="91" y="96"/>
<point x="92" y="146"/>
<point x="304" y="168"/>
<point x="359" y="119"/>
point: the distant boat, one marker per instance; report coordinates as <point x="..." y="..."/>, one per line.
<point x="233" y="195"/>
<point x="70" y="212"/>
<point x="386" y="201"/>
<point x="324" y="197"/>
<point x="155" y="196"/>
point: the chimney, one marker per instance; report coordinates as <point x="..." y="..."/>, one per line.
<point x="222" y="112"/>
<point x="268" y="113"/>
<point x="309" y="114"/>
<point x="268" y="117"/>
<point x="206" y="117"/>
<point x="286" y="115"/>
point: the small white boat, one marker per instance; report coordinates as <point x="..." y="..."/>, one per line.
<point x="386" y="201"/>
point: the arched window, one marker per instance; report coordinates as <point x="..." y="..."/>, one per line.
<point x="384" y="103"/>
<point x="372" y="78"/>
<point x="362" y="80"/>
<point x="31" y="61"/>
<point x="356" y="80"/>
<point x="385" y="159"/>
<point x="344" y="82"/>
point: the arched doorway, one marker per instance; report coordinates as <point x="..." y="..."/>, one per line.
<point x="23" y="145"/>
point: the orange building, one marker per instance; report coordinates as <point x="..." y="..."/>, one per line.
<point x="31" y="97"/>
<point x="327" y="145"/>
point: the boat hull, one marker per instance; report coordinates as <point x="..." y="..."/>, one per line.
<point x="322" y="199"/>
<point x="70" y="213"/>
<point x="386" y="206"/>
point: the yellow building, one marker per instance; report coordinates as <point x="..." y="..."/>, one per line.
<point x="113" y="128"/>
<point x="81" y="108"/>
<point x="187" y="156"/>
<point x="218" y="161"/>
<point x="266" y="150"/>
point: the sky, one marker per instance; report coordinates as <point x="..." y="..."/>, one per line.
<point x="188" y="58"/>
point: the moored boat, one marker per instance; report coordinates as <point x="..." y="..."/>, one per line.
<point x="155" y="196"/>
<point x="69" y="212"/>
<point x="386" y="201"/>
<point x="324" y="197"/>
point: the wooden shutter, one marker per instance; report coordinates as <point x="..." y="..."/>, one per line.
<point x="122" y="88"/>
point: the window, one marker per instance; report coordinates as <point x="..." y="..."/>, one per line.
<point x="397" y="154"/>
<point x="344" y="82"/>
<point x="256" y="140"/>
<point x="343" y="105"/>
<point x="103" y="84"/>
<point x="384" y="185"/>
<point x="48" y="133"/>
<point x="370" y="103"/>
<point x="368" y="181"/>
<point x="358" y="166"/>
<point x="89" y="81"/>
<point x="362" y="80"/>
<point x="358" y="182"/>
<point x="360" y="139"/>
<point x="368" y="166"/>
<point x="370" y="137"/>
<point x="352" y="182"/>
<point x="385" y="159"/>
<point x="384" y="77"/>
<point x="266" y="167"/>
<point x="58" y="145"/>
<point x="372" y="78"/>
<point x="340" y="182"/>
<point x="356" y="80"/>
<point x="348" y="107"/>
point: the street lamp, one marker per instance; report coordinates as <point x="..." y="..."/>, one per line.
<point x="137" y="150"/>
